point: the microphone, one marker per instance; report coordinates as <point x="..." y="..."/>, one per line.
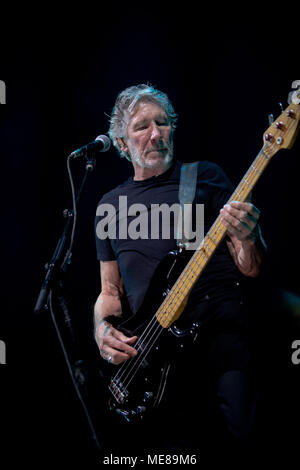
<point x="100" y="144"/>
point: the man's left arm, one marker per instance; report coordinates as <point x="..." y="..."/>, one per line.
<point x="245" y="242"/>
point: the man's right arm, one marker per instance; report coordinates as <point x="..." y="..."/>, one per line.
<point x="111" y="342"/>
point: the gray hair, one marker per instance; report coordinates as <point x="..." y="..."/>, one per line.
<point x="125" y="104"/>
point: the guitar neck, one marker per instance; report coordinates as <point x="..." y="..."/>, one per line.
<point x="281" y="134"/>
<point x="174" y="303"/>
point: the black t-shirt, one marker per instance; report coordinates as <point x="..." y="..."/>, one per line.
<point x="138" y="258"/>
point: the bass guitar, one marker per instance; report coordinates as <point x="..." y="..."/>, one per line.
<point x="139" y="383"/>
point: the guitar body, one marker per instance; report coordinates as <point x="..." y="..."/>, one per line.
<point x="139" y="383"/>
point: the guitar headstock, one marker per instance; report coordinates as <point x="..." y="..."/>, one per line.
<point x="283" y="131"/>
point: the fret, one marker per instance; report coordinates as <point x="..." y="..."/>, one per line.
<point x="211" y="237"/>
<point x="178" y="292"/>
<point x="191" y="269"/>
<point x="204" y="256"/>
<point x="166" y="312"/>
<point x="167" y="308"/>
<point x="194" y="265"/>
<point x="248" y="184"/>
<point x="236" y="192"/>
<point x="163" y="320"/>
<point x="183" y="281"/>
<point x="265" y="155"/>
<point x="199" y="266"/>
<point x="169" y="312"/>
<point x="189" y="283"/>
<point x="256" y="170"/>
<point x="195" y="261"/>
<point x="169" y="302"/>
<point x="172" y="306"/>
<point x="216" y="226"/>
<point x="200" y="252"/>
<point x="174" y="303"/>
<point x="190" y="273"/>
<point x="206" y="246"/>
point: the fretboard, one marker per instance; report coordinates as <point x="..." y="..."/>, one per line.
<point x="174" y="303"/>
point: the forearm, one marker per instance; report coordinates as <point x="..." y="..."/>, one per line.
<point x="113" y="345"/>
<point x="248" y="254"/>
<point x="245" y="242"/>
<point x="251" y="256"/>
<point x="107" y="304"/>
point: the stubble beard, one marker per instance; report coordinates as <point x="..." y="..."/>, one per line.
<point x="148" y="162"/>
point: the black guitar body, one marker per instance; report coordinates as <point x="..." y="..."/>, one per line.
<point x="139" y="383"/>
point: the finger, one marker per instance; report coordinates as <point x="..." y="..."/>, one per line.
<point x="116" y="357"/>
<point x="239" y="214"/>
<point x="235" y="226"/>
<point x="131" y="340"/>
<point x="242" y="216"/>
<point x="245" y="206"/>
<point x="119" y="335"/>
<point x="120" y="345"/>
<point x="229" y="218"/>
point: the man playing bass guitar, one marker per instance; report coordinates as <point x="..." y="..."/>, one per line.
<point x="142" y="127"/>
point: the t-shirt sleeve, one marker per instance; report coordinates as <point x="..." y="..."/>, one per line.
<point x="104" y="249"/>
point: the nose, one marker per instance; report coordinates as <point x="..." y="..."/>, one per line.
<point x="155" y="133"/>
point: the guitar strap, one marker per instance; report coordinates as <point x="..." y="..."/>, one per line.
<point x="186" y="194"/>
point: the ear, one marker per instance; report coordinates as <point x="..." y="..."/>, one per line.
<point x="122" y="144"/>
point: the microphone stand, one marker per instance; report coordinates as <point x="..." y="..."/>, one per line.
<point x="55" y="270"/>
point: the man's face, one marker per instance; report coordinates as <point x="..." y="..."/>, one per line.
<point x="149" y="137"/>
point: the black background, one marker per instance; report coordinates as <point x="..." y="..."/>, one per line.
<point x="62" y="73"/>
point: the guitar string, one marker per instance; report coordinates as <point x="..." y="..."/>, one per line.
<point x="250" y="176"/>
<point x="141" y="357"/>
<point x="258" y="166"/>
<point x="137" y="360"/>
<point x="154" y="321"/>
<point x="152" y="324"/>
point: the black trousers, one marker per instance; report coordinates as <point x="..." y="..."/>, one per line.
<point x="215" y="380"/>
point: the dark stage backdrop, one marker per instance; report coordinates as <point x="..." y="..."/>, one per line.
<point x="61" y="83"/>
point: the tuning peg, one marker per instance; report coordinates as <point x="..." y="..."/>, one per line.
<point x="271" y="119"/>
